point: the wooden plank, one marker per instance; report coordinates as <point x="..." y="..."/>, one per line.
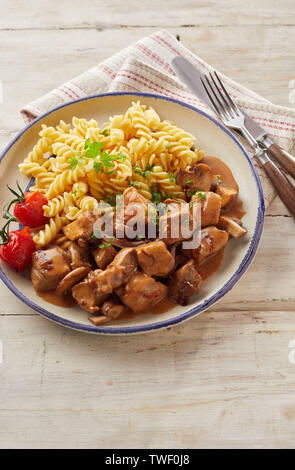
<point x="22" y="14"/>
<point x="69" y="53"/>
<point x="190" y="386"/>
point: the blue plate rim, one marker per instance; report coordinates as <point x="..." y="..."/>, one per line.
<point x="195" y="310"/>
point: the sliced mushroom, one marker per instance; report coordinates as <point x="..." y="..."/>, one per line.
<point x="112" y="309"/>
<point x="99" y="320"/>
<point x="232" y="226"/>
<point x="198" y="177"/>
<point x="72" y="278"/>
<point x="227" y="194"/>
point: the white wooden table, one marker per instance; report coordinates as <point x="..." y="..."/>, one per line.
<point x="222" y="379"/>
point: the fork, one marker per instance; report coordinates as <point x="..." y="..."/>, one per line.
<point x="232" y="116"/>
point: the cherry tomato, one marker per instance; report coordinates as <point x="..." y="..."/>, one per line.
<point x="30" y="210"/>
<point x="17" y="252"/>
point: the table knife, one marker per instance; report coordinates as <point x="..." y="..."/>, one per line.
<point x="191" y="76"/>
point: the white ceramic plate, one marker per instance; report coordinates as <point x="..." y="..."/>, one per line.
<point x="210" y="136"/>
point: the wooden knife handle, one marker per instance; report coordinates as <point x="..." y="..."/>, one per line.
<point x="284" y="188"/>
<point x="285" y="159"/>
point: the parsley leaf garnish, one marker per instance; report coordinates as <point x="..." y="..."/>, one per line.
<point x="134" y="183"/>
<point x="107" y="244"/>
<point x="93" y="149"/>
<point x="201" y="195"/>
<point x="97" y="166"/>
<point x="144" y="173"/>
<point x="172" y="178"/>
<point x="75" y="161"/>
<point x="156" y="196"/>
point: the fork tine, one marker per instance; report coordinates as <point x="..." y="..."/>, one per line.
<point x="217" y="110"/>
<point x="233" y="105"/>
<point x="217" y="102"/>
<point x="215" y="91"/>
<point x="225" y="104"/>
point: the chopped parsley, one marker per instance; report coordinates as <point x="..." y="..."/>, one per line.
<point x="106" y="244"/>
<point x="200" y="194"/>
<point x="75" y="161"/>
<point x="172" y="178"/>
<point x="106" y="160"/>
<point x="218" y="179"/>
<point x="105" y="132"/>
<point x="156" y="196"/>
<point x="92" y="149"/>
<point x="144" y="173"/>
<point x="110" y="200"/>
<point x="134" y="183"/>
<point x="193" y="192"/>
<point x="188" y="182"/>
<point x="167" y="146"/>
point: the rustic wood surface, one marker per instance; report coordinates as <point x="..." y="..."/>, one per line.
<point x="225" y="379"/>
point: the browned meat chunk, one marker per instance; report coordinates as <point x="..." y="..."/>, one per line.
<point x="154" y="259"/>
<point x="118" y="272"/>
<point x="110" y="279"/>
<point x="103" y="256"/>
<point x="134" y="205"/>
<point x="198" y="177"/>
<point x="78" y="255"/>
<point x="175" y="222"/>
<point x="184" y="283"/>
<point x="86" y="294"/>
<point x="142" y="292"/>
<point x="210" y="207"/>
<point x="112" y="309"/>
<point x="227" y="195"/>
<point x="71" y="279"/>
<point x="212" y="241"/>
<point x="232" y="225"/>
<point x="82" y="228"/>
<point x="48" y="268"/>
<point x="126" y="260"/>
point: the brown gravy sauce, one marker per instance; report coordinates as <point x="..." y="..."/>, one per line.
<point x="206" y="269"/>
<point x="65" y="301"/>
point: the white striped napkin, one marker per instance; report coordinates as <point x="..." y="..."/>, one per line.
<point x="145" y="67"/>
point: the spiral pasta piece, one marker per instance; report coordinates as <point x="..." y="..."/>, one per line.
<point x="166" y="183"/>
<point x="49" y="232"/>
<point x="139" y="122"/>
<point x="65" y="179"/>
<point x="42" y="147"/>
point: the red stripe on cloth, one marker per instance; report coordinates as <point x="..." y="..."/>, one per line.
<point x="156" y="88"/>
<point x="58" y="96"/>
<point x="65" y="92"/>
<point x="128" y="86"/>
<point x="107" y="70"/>
<point x="272" y="113"/>
<point x="154" y="56"/>
<point x="73" y="92"/>
<point x="77" y="86"/>
<point x="157" y="85"/>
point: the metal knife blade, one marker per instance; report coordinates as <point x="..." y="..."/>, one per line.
<point x="191" y="76"/>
